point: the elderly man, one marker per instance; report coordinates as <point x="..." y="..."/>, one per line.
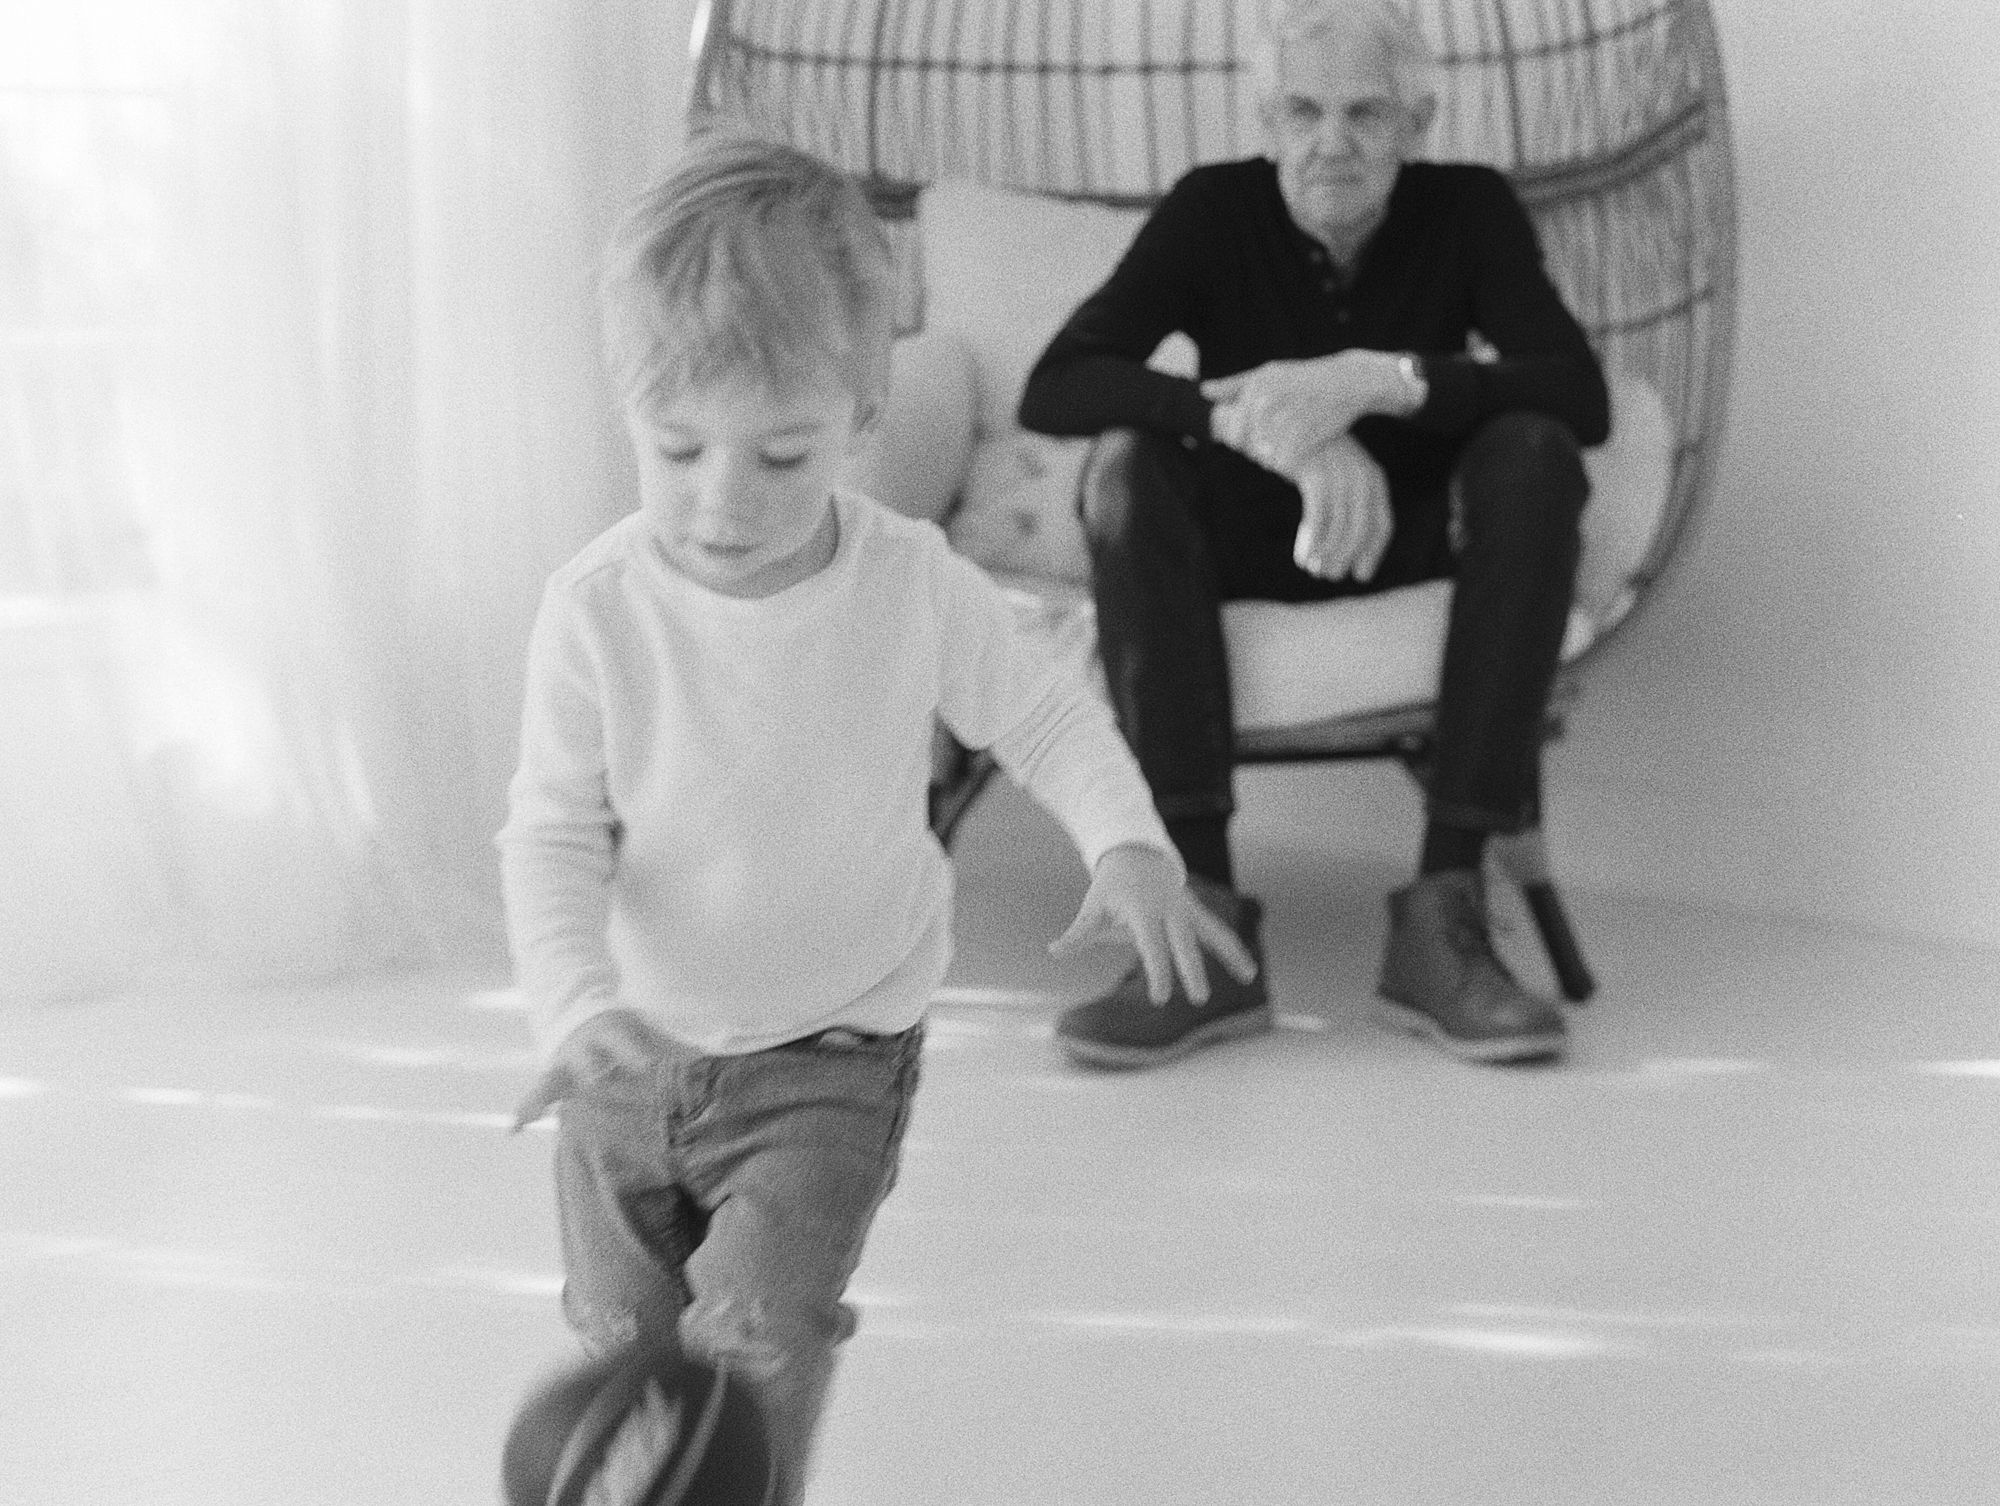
<point x="1344" y="438"/>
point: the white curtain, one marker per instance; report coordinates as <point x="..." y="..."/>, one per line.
<point x="304" y="403"/>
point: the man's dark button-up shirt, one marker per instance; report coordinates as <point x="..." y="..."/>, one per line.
<point x="1221" y="260"/>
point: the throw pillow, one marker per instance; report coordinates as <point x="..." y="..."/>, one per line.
<point x="1018" y="515"/>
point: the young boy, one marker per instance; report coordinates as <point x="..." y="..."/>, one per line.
<point x="726" y="910"/>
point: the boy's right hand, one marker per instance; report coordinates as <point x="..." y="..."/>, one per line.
<point x="603" y="1046"/>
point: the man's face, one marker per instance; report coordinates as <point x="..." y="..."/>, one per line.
<point x="1339" y="133"/>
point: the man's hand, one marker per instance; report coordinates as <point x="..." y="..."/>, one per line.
<point x="1345" y="524"/>
<point x="1283" y="411"/>
<point x="1138" y="890"/>
<point x="601" y="1047"/>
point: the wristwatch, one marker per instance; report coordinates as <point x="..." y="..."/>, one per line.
<point x="1412" y="373"/>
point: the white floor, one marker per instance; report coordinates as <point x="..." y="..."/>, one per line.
<point x="1742" y="1247"/>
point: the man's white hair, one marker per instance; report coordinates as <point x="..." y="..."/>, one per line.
<point x="1287" y="24"/>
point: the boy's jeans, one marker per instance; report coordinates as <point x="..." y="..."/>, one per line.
<point x="729" y="1196"/>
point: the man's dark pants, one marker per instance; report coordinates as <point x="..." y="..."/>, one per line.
<point x="1175" y="530"/>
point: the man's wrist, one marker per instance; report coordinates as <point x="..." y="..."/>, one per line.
<point x="1225" y="424"/>
<point x="1413" y="388"/>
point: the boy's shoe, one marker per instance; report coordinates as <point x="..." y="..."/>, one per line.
<point x="1441" y="977"/>
<point x="1125" y="1028"/>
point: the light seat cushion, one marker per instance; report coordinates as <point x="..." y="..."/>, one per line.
<point x="1294" y="665"/>
<point x="1289" y="666"/>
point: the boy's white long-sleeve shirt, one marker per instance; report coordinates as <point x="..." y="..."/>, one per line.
<point x="719" y="815"/>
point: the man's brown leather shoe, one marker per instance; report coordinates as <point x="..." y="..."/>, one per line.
<point x="1441" y="977"/>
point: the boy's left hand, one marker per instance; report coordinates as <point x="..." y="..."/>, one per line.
<point x="1137" y="890"/>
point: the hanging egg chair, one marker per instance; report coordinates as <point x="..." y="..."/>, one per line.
<point x="1608" y="116"/>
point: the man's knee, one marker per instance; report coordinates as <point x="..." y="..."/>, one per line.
<point x="1522" y="470"/>
<point x="1526" y="452"/>
<point x="1133" y="481"/>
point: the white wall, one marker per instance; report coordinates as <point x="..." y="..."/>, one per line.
<point x="1806" y="720"/>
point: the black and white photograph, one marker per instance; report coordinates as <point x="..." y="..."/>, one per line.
<point x="999" y="753"/>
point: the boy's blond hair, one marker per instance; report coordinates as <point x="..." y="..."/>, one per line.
<point x="748" y="260"/>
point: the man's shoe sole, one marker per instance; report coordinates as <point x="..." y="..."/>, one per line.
<point x="1235" y="1025"/>
<point x="1509" y="1048"/>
